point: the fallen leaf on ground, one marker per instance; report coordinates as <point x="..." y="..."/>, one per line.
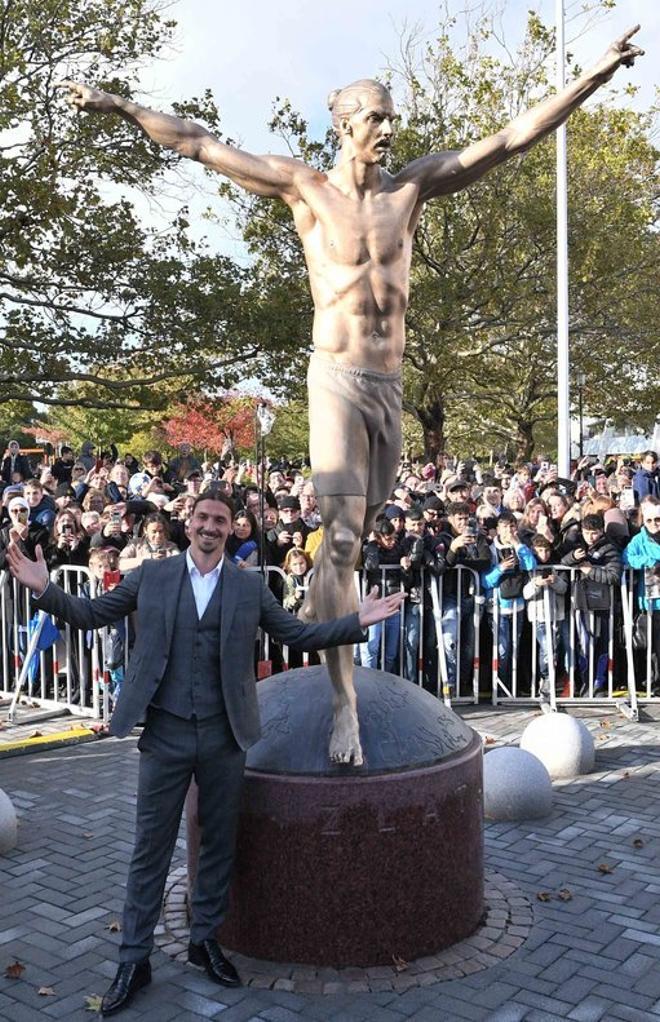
<point x="626" y="774"/>
<point x="46" y="992"/>
<point x="543" y="896"/>
<point x="93" y="1002"/>
<point x="605" y="723"/>
<point x="565" y="894"/>
<point x="36" y="734"/>
<point x="15" y="970"/>
<point x="638" y="843"/>
<point x="489" y="740"/>
<point x="604" y="867"/>
<point x="400" y="964"/>
<point x="114" y="926"/>
<point x="88" y="835"/>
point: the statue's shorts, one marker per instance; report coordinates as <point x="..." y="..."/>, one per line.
<point x="354" y="430"/>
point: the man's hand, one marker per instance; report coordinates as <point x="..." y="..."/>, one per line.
<point x="32" y="574"/>
<point x="620" y="52"/>
<point x="83" y="97"/>
<point x="461" y="542"/>
<point x="372" y="609"/>
<point x="508" y="563"/>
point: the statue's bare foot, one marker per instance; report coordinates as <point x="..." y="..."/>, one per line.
<point x="345" y="739"/>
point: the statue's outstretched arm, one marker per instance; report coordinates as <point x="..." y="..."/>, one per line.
<point x="451" y="171"/>
<point x="273" y="176"/>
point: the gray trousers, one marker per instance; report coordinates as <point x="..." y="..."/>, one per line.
<point x="172" y="751"/>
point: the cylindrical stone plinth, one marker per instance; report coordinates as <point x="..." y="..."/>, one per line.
<point x="352" y="866"/>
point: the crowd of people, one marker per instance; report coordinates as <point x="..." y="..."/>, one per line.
<point x="516" y="529"/>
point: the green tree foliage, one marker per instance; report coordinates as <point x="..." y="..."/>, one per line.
<point x="89" y="292"/>
<point x="480" y="362"/>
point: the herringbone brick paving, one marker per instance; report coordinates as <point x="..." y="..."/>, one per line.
<point x="595" y="956"/>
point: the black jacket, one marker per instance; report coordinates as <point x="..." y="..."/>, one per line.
<point x="476" y="556"/>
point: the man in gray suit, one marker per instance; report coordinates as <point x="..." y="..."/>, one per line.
<point x="191" y="675"/>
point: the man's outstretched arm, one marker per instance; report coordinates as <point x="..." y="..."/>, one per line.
<point x="271" y="176"/>
<point x="451" y="171"/>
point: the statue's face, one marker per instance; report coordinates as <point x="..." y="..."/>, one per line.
<point x="371" y="129"/>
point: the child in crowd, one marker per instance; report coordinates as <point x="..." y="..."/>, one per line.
<point x="504" y="582"/>
<point x="545" y="615"/>
<point x="104" y="567"/>
<point x="297" y="566"/>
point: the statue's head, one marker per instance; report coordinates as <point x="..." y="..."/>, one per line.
<point x="362" y="116"/>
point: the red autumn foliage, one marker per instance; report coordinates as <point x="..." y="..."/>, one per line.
<point x="212" y="425"/>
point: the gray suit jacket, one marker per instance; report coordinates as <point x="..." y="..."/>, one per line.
<point x="247" y="604"/>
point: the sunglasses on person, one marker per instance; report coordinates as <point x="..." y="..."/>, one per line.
<point x="655" y="521"/>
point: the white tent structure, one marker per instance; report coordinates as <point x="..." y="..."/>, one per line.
<point x="632" y="443"/>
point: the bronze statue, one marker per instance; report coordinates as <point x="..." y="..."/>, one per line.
<point x="356" y="224"/>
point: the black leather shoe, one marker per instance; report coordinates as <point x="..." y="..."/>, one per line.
<point x="131" y="976"/>
<point x="209" y="955"/>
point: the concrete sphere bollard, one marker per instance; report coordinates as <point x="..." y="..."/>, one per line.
<point x="516" y="786"/>
<point x="8" y="826"/>
<point x="562" y="743"/>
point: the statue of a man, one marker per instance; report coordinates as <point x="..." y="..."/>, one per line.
<point x="356" y="224"/>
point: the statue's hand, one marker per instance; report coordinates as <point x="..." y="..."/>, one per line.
<point x="622" y="51"/>
<point x="83" y="97"/>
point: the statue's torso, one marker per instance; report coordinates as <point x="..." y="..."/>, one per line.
<point x="358" y="252"/>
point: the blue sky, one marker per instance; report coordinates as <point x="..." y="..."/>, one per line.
<point x="250" y="52"/>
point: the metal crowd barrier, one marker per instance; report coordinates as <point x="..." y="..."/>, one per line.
<point x="68" y="675"/>
<point x="431" y="668"/>
<point x="71" y="675"/>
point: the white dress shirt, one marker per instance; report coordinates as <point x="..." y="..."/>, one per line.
<point x="202" y="585"/>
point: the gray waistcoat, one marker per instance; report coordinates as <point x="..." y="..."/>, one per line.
<point x="191" y="685"/>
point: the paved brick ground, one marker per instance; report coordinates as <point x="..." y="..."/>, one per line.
<point x="595" y="956"/>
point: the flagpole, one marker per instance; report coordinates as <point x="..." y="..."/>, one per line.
<point x="563" y="405"/>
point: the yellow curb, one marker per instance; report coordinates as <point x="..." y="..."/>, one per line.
<point x="57" y="737"/>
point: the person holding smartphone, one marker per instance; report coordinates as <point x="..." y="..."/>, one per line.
<point x="460" y="544"/>
<point x="550" y="580"/>
<point x="29" y="534"/>
<point x="504" y="581"/>
<point x="68" y="544"/>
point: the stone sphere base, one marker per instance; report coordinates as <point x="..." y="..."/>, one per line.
<point x="516" y="786"/>
<point x="356" y="866"/>
<point x="564" y="744"/>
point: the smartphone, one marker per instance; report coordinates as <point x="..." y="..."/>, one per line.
<point x="111" y="579"/>
<point x="505" y="553"/>
<point x="627" y="499"/>
<point x="545" y="465"/>
<point x="113" y="493"/>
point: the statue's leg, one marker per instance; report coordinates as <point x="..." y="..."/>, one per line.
<point x="334" y="595"/>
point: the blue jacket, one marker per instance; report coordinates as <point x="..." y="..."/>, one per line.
<point x="491" y="579"/>
<point x="642" y="552"/>
<point x="645" y="484"/>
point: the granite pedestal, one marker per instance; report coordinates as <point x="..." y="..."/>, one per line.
<point x="341" y="866"/>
